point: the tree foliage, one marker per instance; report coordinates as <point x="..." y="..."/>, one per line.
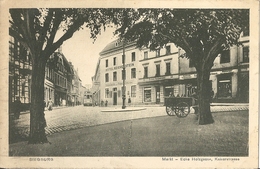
<point x="202" y="33"/>
<point x="37" y="32"/>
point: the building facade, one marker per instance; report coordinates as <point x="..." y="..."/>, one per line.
<point x="61" y="80"/>
<point x="152" y="75"/>
<point x="111" y="73"/>
<point x="20" y="67"/>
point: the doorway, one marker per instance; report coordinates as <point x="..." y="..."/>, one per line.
<point x="115" y="96"/>
<point x="157" y="91"/>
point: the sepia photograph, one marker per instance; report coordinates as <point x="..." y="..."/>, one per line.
<point x="130" y="86"/>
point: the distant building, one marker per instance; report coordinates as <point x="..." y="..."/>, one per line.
<point x="95" y="89"/>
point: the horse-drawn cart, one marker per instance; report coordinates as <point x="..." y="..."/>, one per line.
<point x="179" y="106"/>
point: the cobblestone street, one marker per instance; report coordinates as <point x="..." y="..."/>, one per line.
<point x="69" y="118"/>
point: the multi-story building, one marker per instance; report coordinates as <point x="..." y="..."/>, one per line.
<point x="20" y="66"/>
<point x="152" y="75"/>
<point x="229" y="75"/>
<point x="59" y="74"/>
<point x="56" y="78"/>
<point x="111" y="73"/>
<point x="158" y="74"/>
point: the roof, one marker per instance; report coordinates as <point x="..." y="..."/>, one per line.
<point x="114" y="46"/>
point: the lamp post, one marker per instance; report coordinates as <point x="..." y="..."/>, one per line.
<point x="124" y="75"/>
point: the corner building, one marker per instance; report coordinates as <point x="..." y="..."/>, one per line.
<point x="150" y="75"/>
<point x="111" y="73"/>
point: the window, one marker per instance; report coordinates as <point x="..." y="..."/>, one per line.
<point x="133" y="73"/>
<point x="107" y="63"/>
<point x="168" y="50"/>
<point x="145" y="72"/>
<point x="114" y="76"/>
<point x="147" y="94"/>
<point x="107" y="77"/>
<point x="123" y="74"/>
<point x="114" y="61"/>
<point x="133" y="56"/>
<point x="168" y="68"/>
<point x="146" y="55"/>
<point x="157" y="52"/>
<point x="133" y="91"/>
<point x="225" y="56"/>
<point x="158" y="70"/>
<point x="246" y="54"/>
<point x="224" y="86"/>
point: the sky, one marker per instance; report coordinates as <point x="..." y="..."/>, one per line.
<point x="84" y="54"/>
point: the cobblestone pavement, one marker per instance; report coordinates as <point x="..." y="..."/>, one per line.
<point x="70" y="118"/>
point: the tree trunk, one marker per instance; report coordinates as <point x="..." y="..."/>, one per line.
<point x="37" y="119"/>
<point x="204" y="97"/>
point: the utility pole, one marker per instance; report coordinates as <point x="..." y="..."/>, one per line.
<point x="124" y="75"/>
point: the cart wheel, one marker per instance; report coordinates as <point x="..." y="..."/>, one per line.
<point x="182" y="109"/>
<point x="170" y="111"/>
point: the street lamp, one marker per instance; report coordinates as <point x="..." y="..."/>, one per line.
<point x="123" y="91"/>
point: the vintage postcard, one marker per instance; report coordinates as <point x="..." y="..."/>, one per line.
<point x="129" y="84"/>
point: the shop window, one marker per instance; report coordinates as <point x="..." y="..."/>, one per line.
<point x="133" y="91"/>
<point x="157" y="70"/>
<point x="168" y="50"/>
<point x="224" y="87"/>
<point x="133" y="73"/>
<point x="114" y="76"/>
<point x="107" y="77"/>
<point x="146" y="55"/>
<point x="246" y="54"/>
<point x="225" y="56"/>
<point x="147" y="94"/>
<point x="106" y="62"/>
<point x="133" y="56"/>
<point x="145" y="72"/>
<point x="168" y="68"/>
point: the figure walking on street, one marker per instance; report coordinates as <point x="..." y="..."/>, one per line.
<point x="129" y="101"/>
<point x="49" y="105"/>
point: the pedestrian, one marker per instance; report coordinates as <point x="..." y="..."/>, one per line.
<point x="102" y="103"/>
<point x="49" y="105"/>
<point x="106" y="103"/>
<point x="129" y="101"/>
<point x="17" y="108"/>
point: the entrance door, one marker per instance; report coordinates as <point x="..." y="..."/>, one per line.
<point x="114" y="96"/>
<point x="157" y="90"/>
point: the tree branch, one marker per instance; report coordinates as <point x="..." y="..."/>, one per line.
<point x="65" y="37"/>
